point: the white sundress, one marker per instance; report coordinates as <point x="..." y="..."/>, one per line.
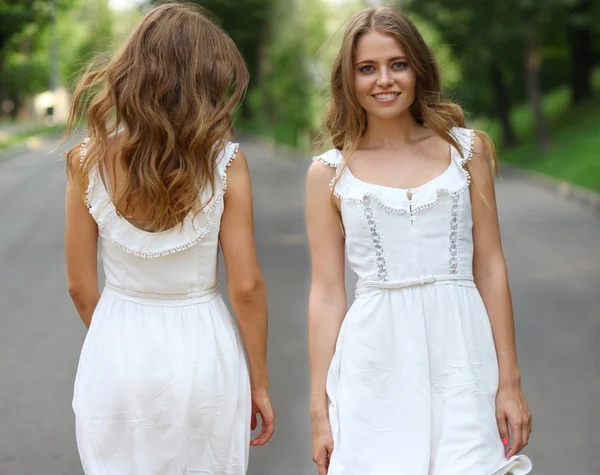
<point x="162" y="385"/>
<point x="413" y="381"/>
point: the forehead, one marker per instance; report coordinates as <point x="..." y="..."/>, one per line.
<point x="376" y="46"/>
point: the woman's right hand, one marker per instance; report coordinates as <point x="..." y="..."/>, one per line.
<point x="261" y="404"/>
<point x="322" y="445"/>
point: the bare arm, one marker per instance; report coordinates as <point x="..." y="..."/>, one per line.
<point x="81" y="251"/>
<point x="244" y="280"/>
<point x="327" y="301"/>
<point x="246" y="286"/>
<point x="491" y="278"/>
<point x="489" y="265"/>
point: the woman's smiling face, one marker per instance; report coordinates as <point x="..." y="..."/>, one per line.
<point x="384" y="80"/>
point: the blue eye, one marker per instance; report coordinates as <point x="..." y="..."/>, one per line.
<point x="366" y="69"/>
<point x="400" y="64"/>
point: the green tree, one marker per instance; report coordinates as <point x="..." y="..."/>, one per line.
<point x="485" y="46"/>
<point x="583" y="31"/>
<point x="289" y="88"/>
<point x="85" y="31"/>
<point x="510" y="42"/>
<point x="81" y="28"/>
<point x="15" y="17"/>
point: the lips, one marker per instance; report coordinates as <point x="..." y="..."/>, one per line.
<point x="386" y="98"/>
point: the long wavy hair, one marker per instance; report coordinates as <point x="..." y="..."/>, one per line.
<point x="345" y="121"/>
<point x="172" y="88"/>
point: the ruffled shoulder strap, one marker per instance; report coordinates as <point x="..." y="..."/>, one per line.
<point x="151" y="245"/>
<point x="332" y="158"/>
<point x="466" y="140"/>
<point x="226" y="157"/>
<point x="83" y="148"/>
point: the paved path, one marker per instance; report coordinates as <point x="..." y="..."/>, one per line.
<point x="554" y="262"/>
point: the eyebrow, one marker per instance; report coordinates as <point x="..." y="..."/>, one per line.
<point x="370" y="61"/>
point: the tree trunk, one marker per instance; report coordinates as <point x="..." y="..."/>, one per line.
<point x="582" y="61"/>
<point x="502" y="106"/>
<point x="534" y="92"/>
<point x="17" y="104"/>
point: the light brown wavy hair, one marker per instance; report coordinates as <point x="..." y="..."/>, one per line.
<point x="172" y="88"/>
<point x="345" y="121"/>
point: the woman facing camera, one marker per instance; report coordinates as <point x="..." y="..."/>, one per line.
<point x="420" y="376"/>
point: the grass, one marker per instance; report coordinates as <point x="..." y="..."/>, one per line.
<point x="39" y="131"/>
<point x="574" y="155"/>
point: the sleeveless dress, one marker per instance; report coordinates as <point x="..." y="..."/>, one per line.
<point x="162" y="386"/>
<point x="413" y="380"/>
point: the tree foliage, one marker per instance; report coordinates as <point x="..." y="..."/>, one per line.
<point x="514" y="50"/>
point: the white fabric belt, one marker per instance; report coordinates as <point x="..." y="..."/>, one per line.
<point x="366" y="286"/>
<point x="156" y="298"/>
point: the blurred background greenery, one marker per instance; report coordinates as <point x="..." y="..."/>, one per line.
<point x="525" y="71"/>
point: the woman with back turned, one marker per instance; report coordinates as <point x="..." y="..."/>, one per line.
<point x="163" y="385"/>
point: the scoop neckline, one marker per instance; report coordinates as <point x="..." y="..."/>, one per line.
<point x="405" y="190"/>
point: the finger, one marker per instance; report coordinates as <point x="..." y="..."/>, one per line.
<point x="265" y="433"/>
<point x="258" y="440"/>
<point x="253" y="422"/>
<point x="517" y="443"/>
<point x="264" y="436"/>
<point x="268" y="427"/>
<point x="526" y="431"/>
<point x="524" y="438"/>
<point x="322" y="466"/>
<point x="503" y="430"/>
<point x="255" y="441"/>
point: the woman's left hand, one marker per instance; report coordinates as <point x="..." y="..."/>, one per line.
<point x="512" y="410"/>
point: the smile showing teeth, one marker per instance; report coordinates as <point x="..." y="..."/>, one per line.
<point x="386" y="96"/>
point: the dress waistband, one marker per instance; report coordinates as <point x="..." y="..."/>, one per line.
<point x="160" y="299"/>
<point x="368" y="286"/>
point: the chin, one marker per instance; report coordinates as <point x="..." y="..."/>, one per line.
<point x="390" y="113"/>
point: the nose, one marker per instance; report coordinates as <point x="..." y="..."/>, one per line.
<point x="385" y="78"/>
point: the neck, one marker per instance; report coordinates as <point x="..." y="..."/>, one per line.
<point x="390" y="133"/>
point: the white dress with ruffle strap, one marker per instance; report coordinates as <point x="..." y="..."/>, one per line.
<point x="162" y="385"/>
<point x="413" y="381"/>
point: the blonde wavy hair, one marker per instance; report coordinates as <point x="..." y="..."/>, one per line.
<point x="172" y="88"/>
<point x="345" y="121"/>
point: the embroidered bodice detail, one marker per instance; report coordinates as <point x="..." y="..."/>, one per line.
<point x="393" y="233"/>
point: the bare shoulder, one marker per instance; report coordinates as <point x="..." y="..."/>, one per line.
<point x="481" y="145"/>
<point x="75" y="155"/>
<point x="74" y="160"/>
<point x="239" y="164"/>
<point x="319" y="173"/>
<point x="480" y="165"/>
<point x="240" y="160"/>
